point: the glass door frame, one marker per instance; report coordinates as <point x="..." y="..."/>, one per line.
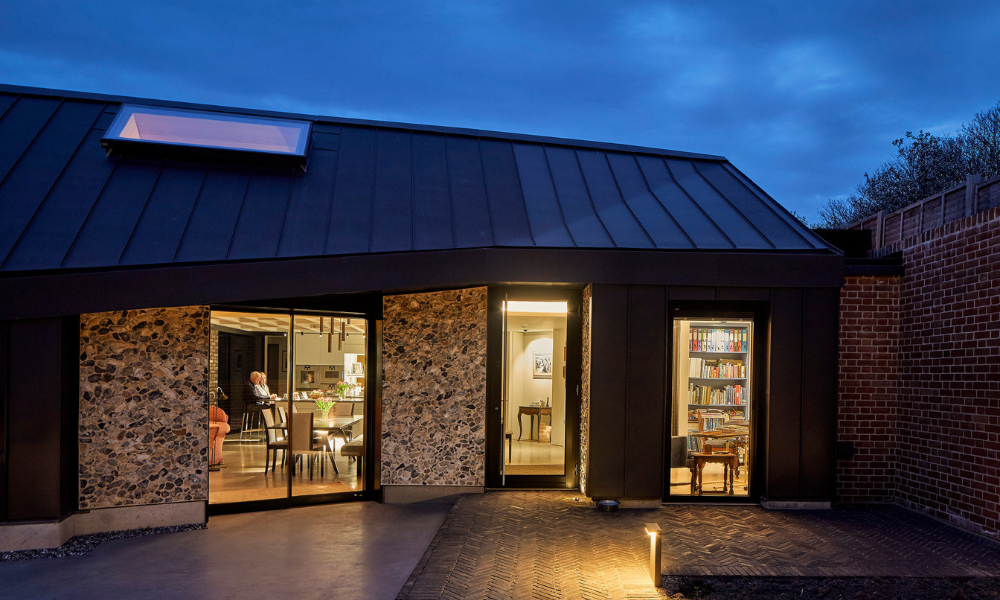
<point x="495" y="384"/>
<point x="760" y="312"/>
<point x="371" y="489"/>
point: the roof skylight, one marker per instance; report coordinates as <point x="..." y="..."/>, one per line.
<point x="207" y="131"/>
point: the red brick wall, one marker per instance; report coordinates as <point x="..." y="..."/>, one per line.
<point x="949" y="405"/>
<point x="943" y="456"/>
<point x="867" y="401"/>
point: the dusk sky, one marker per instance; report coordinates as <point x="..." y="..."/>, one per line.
<point x="802" y="98"/>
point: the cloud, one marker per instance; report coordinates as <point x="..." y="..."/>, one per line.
<point x="802" y="97"/>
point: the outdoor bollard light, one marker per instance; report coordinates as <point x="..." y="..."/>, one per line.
<point x="655" y="545"/>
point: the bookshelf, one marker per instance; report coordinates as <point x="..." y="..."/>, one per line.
<point x="714" y="383"/>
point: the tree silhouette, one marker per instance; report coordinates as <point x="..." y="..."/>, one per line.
<point x="924" y="165"/>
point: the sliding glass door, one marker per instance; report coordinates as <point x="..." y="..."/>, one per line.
<point x="287" y="406"/>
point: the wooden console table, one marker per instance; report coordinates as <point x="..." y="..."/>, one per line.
<point x="531" y="411"/>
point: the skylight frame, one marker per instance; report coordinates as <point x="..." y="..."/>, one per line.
<point x="116" y="141"/>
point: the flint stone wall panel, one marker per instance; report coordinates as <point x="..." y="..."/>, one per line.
<point x="144" y="407"/>
<point x="434" y="388"/>
<point x="588" y="298"/>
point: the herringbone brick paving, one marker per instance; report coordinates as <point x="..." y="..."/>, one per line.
<point x="546" y="545"/>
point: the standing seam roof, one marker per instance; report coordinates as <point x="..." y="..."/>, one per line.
<point x="369" y="188"/>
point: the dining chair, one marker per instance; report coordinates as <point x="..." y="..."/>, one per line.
<point x="281" y="414"/>
<point x="305" y="443"/>
<point x="357" y="428"/>
<point x="343" y="409"/>
<point x="275" y="441"/>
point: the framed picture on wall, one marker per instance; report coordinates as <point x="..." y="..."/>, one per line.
<point x="357" y="369"/>
<point x="541" y="365"/>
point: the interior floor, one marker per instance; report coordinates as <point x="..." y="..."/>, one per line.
<point x="242" y="477"/>
<point x="711" y="481"/>
<point x="531" y="457"/>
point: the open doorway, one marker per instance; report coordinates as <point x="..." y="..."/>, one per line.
<point x="534" y="377"/>
<point x="535" y="388"/>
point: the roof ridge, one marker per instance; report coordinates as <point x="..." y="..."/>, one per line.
<point x="443" y="129"/>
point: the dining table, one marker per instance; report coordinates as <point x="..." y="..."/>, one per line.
<point x="328" y="425"/>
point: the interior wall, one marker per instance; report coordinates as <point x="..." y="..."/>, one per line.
<point x="682" y="331"/>
<point x="523" y="388"/>
<point x="558" y="387"/>
<point x="536" y="390"/>
<point x="516" y="368"/>
<point x="277" y="381"/>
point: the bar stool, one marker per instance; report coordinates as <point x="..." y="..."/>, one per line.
<point x="252" y="420"/>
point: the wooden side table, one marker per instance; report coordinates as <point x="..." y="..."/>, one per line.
<point x="730" y="464"/>
<point x="531" y="411"/>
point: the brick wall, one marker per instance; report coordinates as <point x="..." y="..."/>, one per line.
<point x="943" y="457"/>
<point x="949" y="406"/>
<point x="868" y="394"/>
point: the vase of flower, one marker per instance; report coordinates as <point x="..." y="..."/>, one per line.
<point x="342" y="389"/>
<point x="324" y="404"/>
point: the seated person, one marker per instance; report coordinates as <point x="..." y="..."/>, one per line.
<point x="258" y="388"/>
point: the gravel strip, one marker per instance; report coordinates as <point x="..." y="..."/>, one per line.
<point x="82" y="544"/>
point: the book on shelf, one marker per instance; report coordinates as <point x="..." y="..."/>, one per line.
<point x="721" y="368"/>
<point x="717" y="340"/>
<point x="710" y="422"/>
<point x="705" y="394"/>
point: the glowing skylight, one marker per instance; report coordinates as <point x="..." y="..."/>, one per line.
<point x="144" y="124"/>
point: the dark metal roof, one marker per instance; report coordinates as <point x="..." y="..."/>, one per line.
<point x="370" y="187"/>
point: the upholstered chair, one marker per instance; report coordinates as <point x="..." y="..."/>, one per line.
<point x="218" y="427"/>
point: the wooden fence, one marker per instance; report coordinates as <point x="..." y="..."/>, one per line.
<point x="973" y="196"/>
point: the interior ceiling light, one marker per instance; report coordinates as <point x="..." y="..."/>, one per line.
<point x="550" y="308"/>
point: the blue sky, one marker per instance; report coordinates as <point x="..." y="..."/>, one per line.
<point x="804" y="97"/>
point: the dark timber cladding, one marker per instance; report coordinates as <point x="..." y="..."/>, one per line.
<point x="630" y="386"/>
<point x="369" y="188"/>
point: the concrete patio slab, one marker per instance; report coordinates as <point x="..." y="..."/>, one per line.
<point x="353" y="550"/>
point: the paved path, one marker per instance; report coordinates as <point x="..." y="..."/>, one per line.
<point x="352" y="550"/>
<point x="546" y="545"/>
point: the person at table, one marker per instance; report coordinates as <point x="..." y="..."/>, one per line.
<point x="258" y="388"/>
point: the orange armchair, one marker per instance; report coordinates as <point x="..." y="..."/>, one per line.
<point x="218" y="427"/>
